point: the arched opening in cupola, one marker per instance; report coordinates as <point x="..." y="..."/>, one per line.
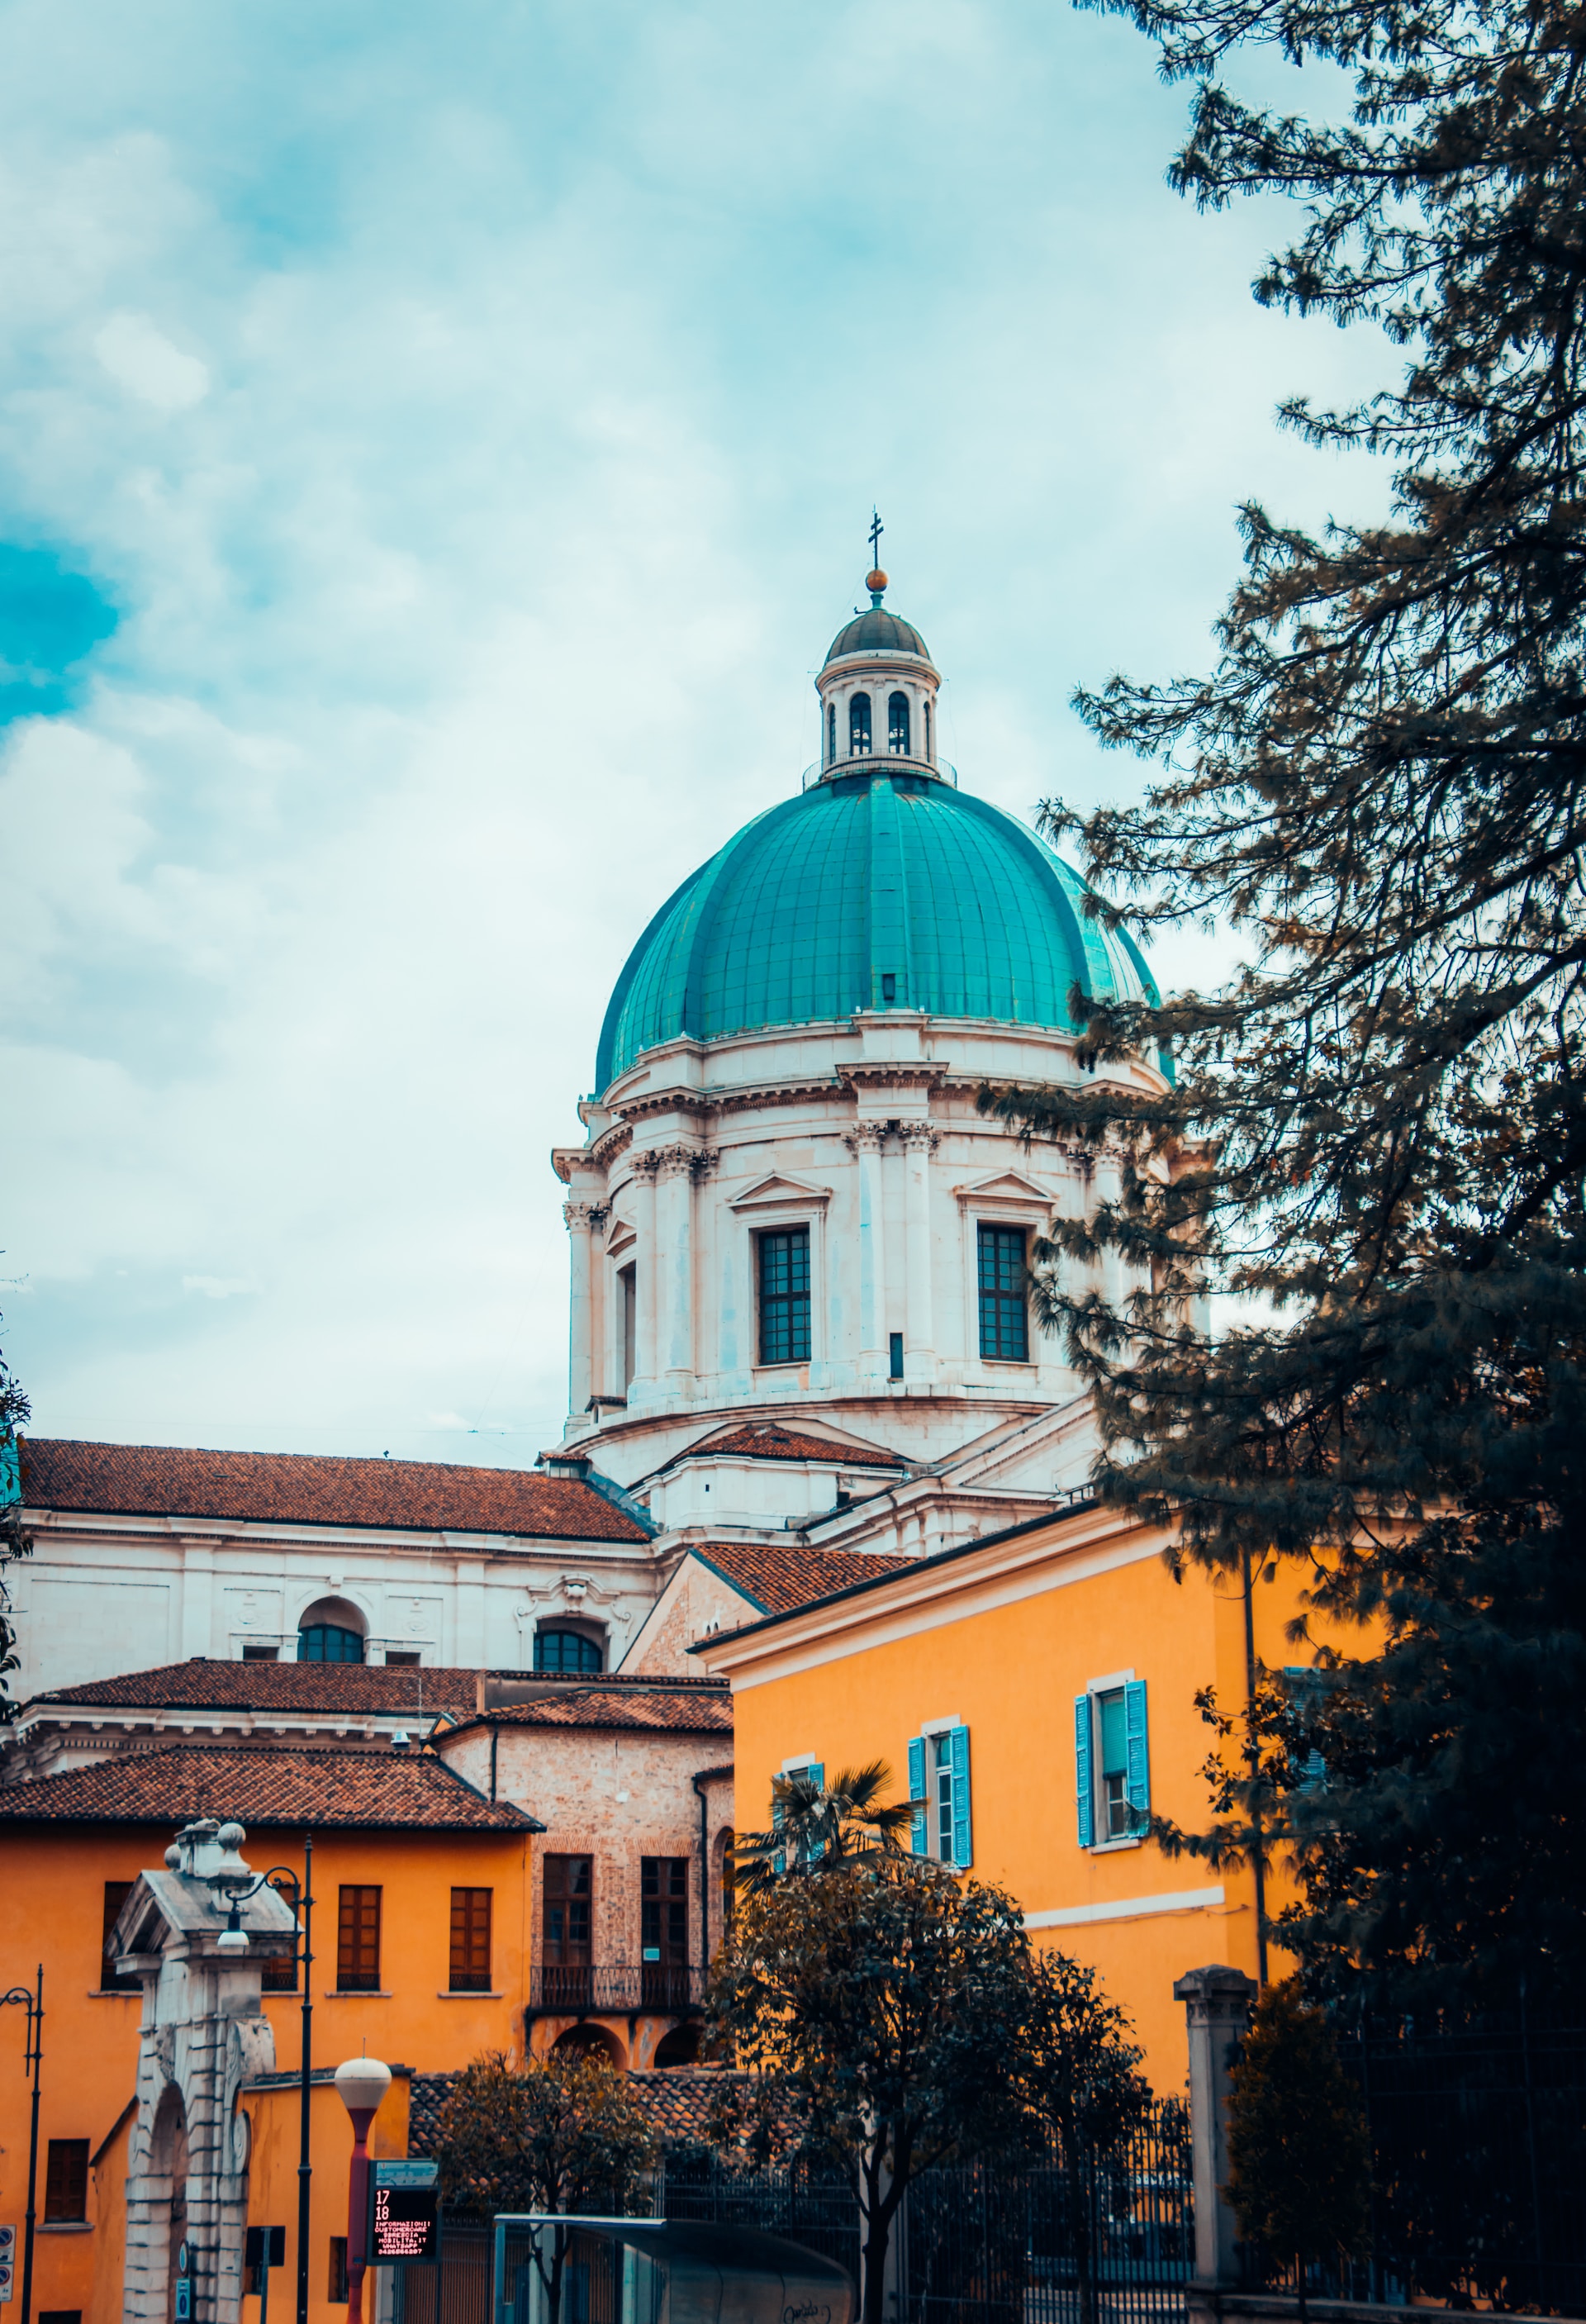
<point x="859" y="726"/>
<point x="831" y="734"/>
<point x="897" y="724"/>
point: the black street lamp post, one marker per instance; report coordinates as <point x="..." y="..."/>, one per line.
<point x="32" y="2001"/>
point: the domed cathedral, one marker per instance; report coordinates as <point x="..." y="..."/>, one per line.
<point x="799" y="1299"/>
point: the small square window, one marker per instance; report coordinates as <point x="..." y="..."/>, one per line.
<point x="260" y="1654"/>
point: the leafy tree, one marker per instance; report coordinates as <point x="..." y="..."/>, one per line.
<point x="1300" y="2178"/>
<point x="557" y="2134"/>
<point x="1378" y="1130"/>
<point x="881" y="2003"/>
<point x="815" y="1824"/>
<point x="14" y="1540"/>
<point x="1078" y="2072"/>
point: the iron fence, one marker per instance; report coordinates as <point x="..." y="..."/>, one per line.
<point x="1479" y="2170"/>
<point x="1099" y="2238"/>
<point x="814" y="2206"/>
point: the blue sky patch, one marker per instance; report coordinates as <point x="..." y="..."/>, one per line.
<point x="51" y="621"/>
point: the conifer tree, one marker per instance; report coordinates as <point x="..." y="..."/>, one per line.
<point x="1378" y="1130"/>
<point x="1300" y="2180"/>
<point x="14" y="1540"/>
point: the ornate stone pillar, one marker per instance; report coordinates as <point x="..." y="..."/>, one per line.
<point x="919" y="1143"/>
<point x="864" y="1141"/>
<point x="674" y="1262"/>
<point x="647" y="1270"/>
<point x="580" y="1218"/>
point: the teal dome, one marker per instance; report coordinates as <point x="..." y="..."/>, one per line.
<point x="871" y="891"/>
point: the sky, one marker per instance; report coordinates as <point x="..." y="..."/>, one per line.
<point x="437" y="446"/>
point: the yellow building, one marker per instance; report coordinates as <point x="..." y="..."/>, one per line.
<point x="1034" y="1691"/>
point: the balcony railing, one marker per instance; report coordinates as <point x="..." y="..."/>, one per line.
<point x="556" y="1991"/>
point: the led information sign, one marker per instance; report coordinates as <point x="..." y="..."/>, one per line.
<point x="404" y="2214"/>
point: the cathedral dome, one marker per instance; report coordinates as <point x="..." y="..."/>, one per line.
<point x="874" y="890"/>
<point x="876" y="631"/>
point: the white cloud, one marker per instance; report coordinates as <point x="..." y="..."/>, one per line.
<point x="136" y="352"/>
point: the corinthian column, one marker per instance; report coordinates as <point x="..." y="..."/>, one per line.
<point x="864" y="1141"/>
<point x="919" y="1143"/>
<point x="673" y="1265"/>
<point x="580" y="1219"/>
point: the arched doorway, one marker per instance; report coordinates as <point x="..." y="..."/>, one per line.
<point x="680" y="2047"/>
<point x="169" y="2161"/>
<point x="587" y="2038"/>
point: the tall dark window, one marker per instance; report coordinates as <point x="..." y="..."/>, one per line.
<point x="328" y="1642"/>
<point x="470" y="1962"/>
<point x="1004" y="1323"/>
<point x="784" y="1296"/>
<point x="663" y="1930"/>
<point x="358" y="1941"/>
<point x="66" y="2179"/>
<point x="831" y="734"/>
<point x="628" y="1293"/>
<point x="897" y="724"/>
<point x="859" y="726"/>
<point x="927" y="726"/>
<point x="566" y="1976"/>
<point x="116" y="1893"/>
<point x="566" y="1650"/>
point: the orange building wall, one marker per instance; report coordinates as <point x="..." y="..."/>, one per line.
<point x="1011" y="1673"/>
<point x="274" y="2116"/>
<point x="52" y="1880"/>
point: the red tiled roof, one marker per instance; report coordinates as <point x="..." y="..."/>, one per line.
<point x="767" y="1440"/>
<point x="662" y="1709"/>
<point x="175" y="1782"/>
<point x="677" y="2101"/>
<point x="315" y="1489"/>
<point x="203" y="1685"/>
<point x="780" y="1579"/>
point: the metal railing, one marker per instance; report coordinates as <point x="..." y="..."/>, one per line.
<point x="556" y="1990"/>
<point x="877" y="762"/>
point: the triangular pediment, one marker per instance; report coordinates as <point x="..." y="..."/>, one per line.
<point x="1005" y="1186"/>
<point x="619" y="1235"/>
<point x="779" y="1188"/>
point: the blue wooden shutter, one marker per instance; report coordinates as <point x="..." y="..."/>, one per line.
<point x="780" y="1860"/>
<point x="1140" y="1755"/>
<point x="1085" y="1789"/>
<point x="958" y="1760"/>
<point x="1304" y="1689"/>
<point x="816" y="1773"/>
<point x="917" y="1838"/>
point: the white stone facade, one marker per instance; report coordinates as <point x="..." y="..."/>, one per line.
<point x="203" y="2036"/>
<point x="104" y="1593"/>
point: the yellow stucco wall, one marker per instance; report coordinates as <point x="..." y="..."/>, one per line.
<point x="855" y="1685"/>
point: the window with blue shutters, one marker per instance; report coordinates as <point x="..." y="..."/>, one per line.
<point x="1113" y="1763"/>
<point x="1304" y="1692"/>
<point x="938" y="1792"/>
<point x="918" y="1839"/>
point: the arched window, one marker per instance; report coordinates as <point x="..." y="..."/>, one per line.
<point x="897" y="724"/>
<point x="328" y="1642"/>
<point x="859" y="726"/>
<point x="831" y="734"/>
<point x="566" y="1650"/>
<point x="928" y="725"/>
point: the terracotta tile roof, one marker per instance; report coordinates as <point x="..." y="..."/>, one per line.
<point x="205" y="1684"/>
<point x="780" y="1577"/>
<point x="767" y="1440"/>
<point x="677" y="2102"/>
<point x="174" y="1782"/>
<point x="316" y="1488"/>
<point x="660" y="1708"/>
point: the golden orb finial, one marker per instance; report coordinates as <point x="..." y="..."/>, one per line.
<point x="876" y="580"/>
